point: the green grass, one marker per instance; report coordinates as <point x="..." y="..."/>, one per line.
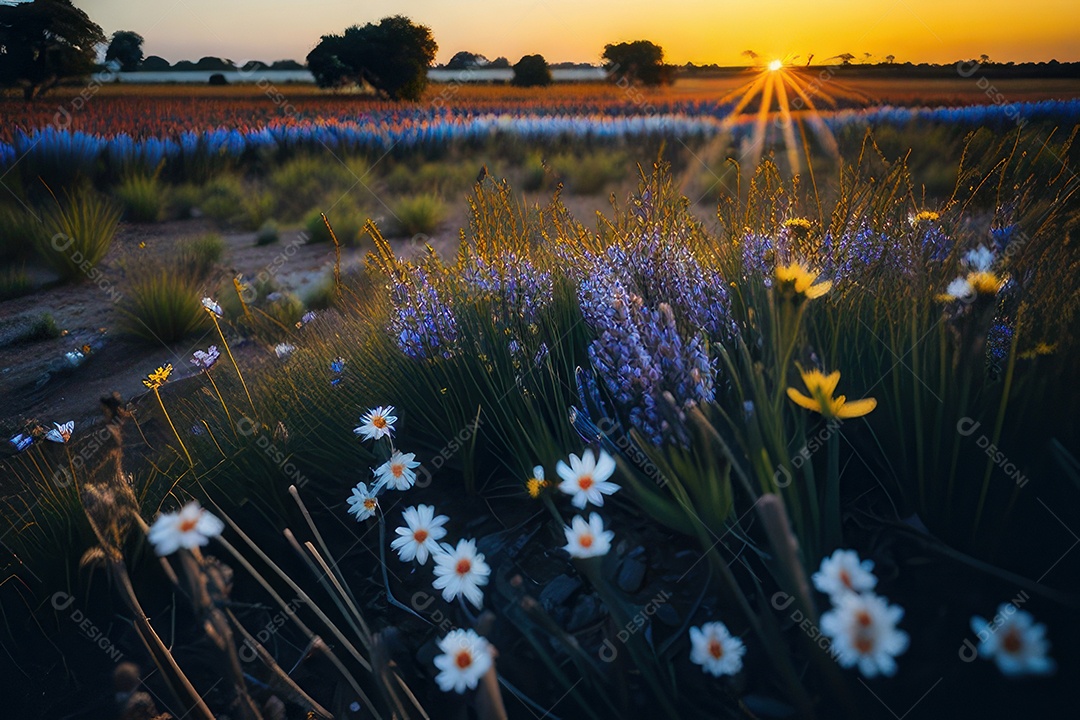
<point x="268" y="234"/>
<point x="346" y="219"/>
<point x="42" y="327"/>
<point x="418" y="214"/>
<point x="310" y="181"/>
<point x="21" y="230"/>
<point x="162" y="305"/>
<point x="14" y="282"/>
<point x="79" y="233"/>
<point x="904" y="459"/>
<point x="183" y="200"/>
<point x="590" y="174"/>
<point x="223" y="199"/>
<point x="447" y="177"/>
<point x="198" y="256"/>
<point x="142" y="197"/>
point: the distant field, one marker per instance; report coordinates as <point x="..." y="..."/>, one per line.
<point x="877" y="90"/>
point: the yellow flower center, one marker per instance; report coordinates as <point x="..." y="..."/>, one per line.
<point x="586" y="540"/>
<point x="379" y="421"/>
<point x="716" y="649"/>
<point x="463" y="566"/>
<point x="420" y="536"/>
<point x="463" y="659"/>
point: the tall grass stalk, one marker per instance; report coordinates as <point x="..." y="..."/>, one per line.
<point x="228" y="351"/>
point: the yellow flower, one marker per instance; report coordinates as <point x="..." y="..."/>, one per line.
<point x="967" y="287"/>
<point x="157" y="378"/>
<point x="985" y="283"/>
<point x="798" y="223"/>
<point x="801" y="278"/>
<point x="821" y="400"/>
<point x="923" y="216"/>
<point x="536" y="484"/>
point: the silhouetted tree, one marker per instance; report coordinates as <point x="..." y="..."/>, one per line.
<point x="154" y="63"/>
<point x="126" y="49"/>
<point x="845" y="58"/>
<point x="214" y="63"/>
<point x="392" y="56"/>
<point x="465" y="60"/>
<point x="286" y="65"/>
<point x="890" y="59"/>
<point x="639" y="61"/>
<point x="531" y="71"/>
<point x="44" y="41"/>
<point x="500" y="63"/>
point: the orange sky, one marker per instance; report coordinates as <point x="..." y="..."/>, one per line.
<point x="689" y="30"/>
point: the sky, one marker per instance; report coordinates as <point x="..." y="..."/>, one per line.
<point x="700" y="31"/>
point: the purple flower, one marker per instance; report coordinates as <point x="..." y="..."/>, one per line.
<point x="422" y="320"/>
<point x="205" y="360"/>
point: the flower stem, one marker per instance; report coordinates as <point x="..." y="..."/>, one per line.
<point x="157" y="394"/>
<point x="228" y="351"/>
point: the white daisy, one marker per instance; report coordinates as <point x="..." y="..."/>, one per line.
<point x="843" y="572"/>
<point x="466" y="657"/>
<point x="586" y="479"/>
<point x="397" y="472"/>
<point x="284" y="350"/>
<point x="960" y="289"/>
<point x="377" y="423"/>
<point x="980" y="259"/>
<point x="362" y="504"/>
<point x="461" y="571"/>
<point x="210" y="306"/>
<point x="587" y="539"/>
<point x="862" y="628"/>
<point x="420" y="536"/>
<point x="1015" y="642"/>
<point x="191" y="527"/>
<point x="715" y="649"/>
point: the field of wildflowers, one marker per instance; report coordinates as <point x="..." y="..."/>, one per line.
<point x="817" y="459"/>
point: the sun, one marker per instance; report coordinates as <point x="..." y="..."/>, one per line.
<point x="776" y="65"/>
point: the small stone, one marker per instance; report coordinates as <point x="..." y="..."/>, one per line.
<point x="586" y="612"/>
<point x="558" y="591"/>
<point x="631" y="575"/>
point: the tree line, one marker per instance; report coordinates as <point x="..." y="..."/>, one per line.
<point x="43" y="42"/>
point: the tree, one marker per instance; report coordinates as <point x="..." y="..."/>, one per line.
<point x="639" y="61"/>
<point x="44" y="41"/>
<point x="393" y="57"/>
<point x="154" y="63"/>
<point x="845" y="58"/>
<point x="126" y="48"/>
<point x="531" y="71"/>
<point x="214" y="63"/>
<point x="890" y="59"/>
<point x="499" y="63"/>
<point x="465" y="60"/>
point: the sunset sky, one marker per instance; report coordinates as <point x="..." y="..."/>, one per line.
<point x="689" y="30"/>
